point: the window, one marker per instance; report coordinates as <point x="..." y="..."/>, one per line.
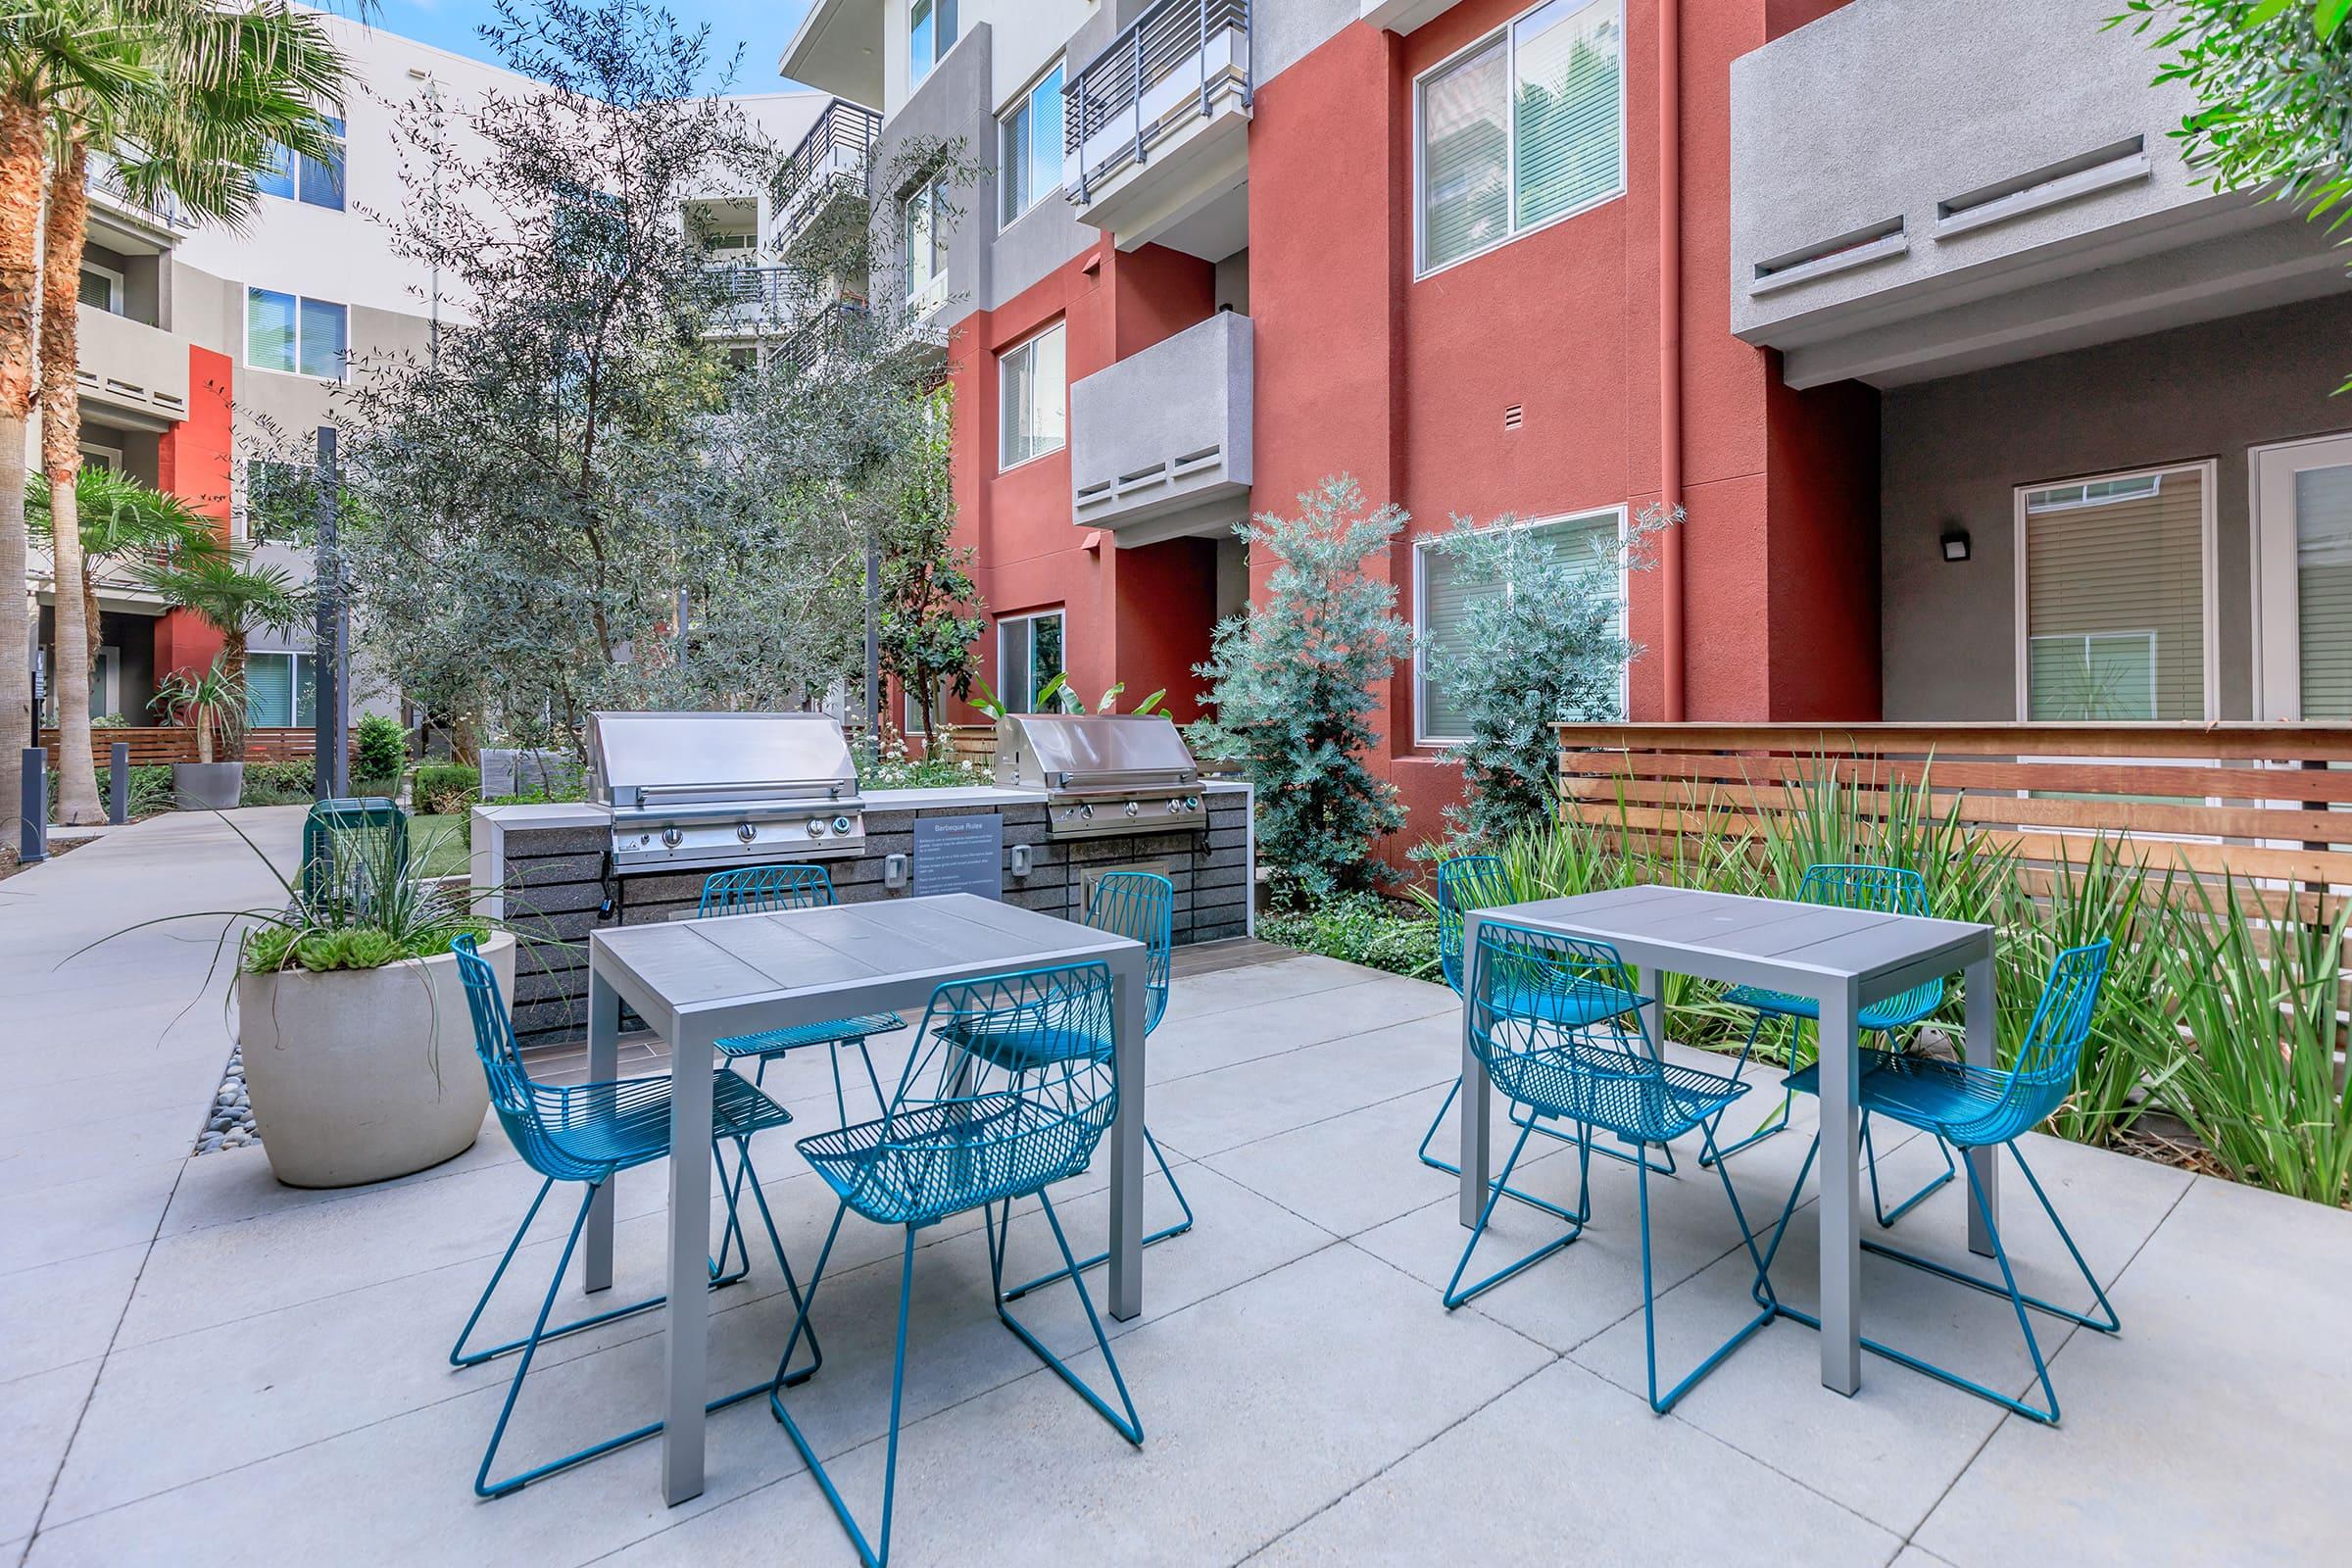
<point x="299" y="336"/>
<point x="924" y="232"/>
<point x="101" y="289"/>
<point x="1522" y="128"/>
<point x="1028" y="657"/>
<point x="279" y="689"/>
<point x="307" y="179"/>
<point x="930" y="34"/>
<point x="1441" y="600"/>
<point x="2113" y="598"/>
<point x="1029" y="161"/>
<point x="1036" y="398"/>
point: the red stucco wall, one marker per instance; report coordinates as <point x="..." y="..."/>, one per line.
<point x="192" y="462"/>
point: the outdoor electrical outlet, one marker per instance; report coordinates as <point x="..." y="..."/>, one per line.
<point x="894" y="870"/>
<point x="1020" y="859"/>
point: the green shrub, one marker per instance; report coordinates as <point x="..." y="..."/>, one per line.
<point x="443" y="788"/>
<point x="293" y="781"/>
<point x="1360" y="928"/>
<point x="382" y="748"/>
<point x="150" y="789"/>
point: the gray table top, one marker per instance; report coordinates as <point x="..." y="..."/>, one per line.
<point x="733" y="960"/>
<point x="1751" y="938"/>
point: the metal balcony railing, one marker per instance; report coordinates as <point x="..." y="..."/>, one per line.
<point x="744" y="290"/>
<point x="830" y="331"/>
<point x="833" y="156"/>
<point x="1173" y="63"/>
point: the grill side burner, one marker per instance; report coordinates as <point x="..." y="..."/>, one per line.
<point x="1103" y="773"/>
<point x="713" y="790"/>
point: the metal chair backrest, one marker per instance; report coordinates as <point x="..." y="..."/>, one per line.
<point x="2042" y="1074"/>
<point x="351" y="846"/>
<point x="502" y="1062"/>
<point x="1466" y="883"/>
<point x="1009" y="1129"/>
<point x="765" y="889"/>
<point x="1140" y="905"/>
<point x="1533" y="1048"/>
<point x="1887" y="889"/>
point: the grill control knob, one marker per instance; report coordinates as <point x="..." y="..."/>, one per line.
<point x="671" y="837"/>
<point x="816" y="828"/>
<point x="1192" y="803"/>
<point x="1085" y="814"/>
<point x="1131" y="807"/>
<point x="843" y="825"/>
<point x="746" y="831"/>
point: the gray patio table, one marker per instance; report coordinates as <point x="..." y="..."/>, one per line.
<point x="1842" y="958"/>
<point x="697" y="981"/>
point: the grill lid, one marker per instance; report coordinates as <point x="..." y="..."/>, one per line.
<point x="659" y="760"/>
<point x="1082" y="753"/>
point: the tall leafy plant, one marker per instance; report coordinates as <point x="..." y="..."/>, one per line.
<point x="235" y="595"/>
<point x="1295" y="680"/>
<point x="1542" y="642"/>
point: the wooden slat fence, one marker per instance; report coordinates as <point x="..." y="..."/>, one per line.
<point x="2270" y="802"/>
<point x="155" y="744"/>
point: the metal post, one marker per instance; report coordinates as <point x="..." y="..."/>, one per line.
<point x="118" y="783"/>
<point x="327" y="658"/>
<point x="33" y="808"/>
<point x="681" y="630"/>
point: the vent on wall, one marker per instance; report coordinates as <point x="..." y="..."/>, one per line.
<point x="2115" y="164"/>
<point x="1855" y="248"/>
<point x="1513" y="416"/>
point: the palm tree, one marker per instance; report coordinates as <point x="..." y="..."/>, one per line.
<point x="234" y="594"/>
<point x="124" y="523"/>
<point x="46" y="47"/>
<point x="223" y="90"/>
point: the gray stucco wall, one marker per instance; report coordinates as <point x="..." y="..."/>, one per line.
<point x="951" y="106"/>
<point x="1954" y="450"/>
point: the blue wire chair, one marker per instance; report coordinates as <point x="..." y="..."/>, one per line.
<point x="764" y="889"/>
<point x="1473" y="882"/>
<point x="1603" y="1075"/>
<point x="1890" y="890"/>
<point x="1983" y="1108"/>
<point x="585" y="1134"/>
<point x="964" y="1131"/>
<point x="1143" y="906"/>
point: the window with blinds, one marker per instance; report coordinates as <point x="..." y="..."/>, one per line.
<point x="1445" y="601"/>
<point x="1522" y="129"/>
<point x="2324" y="590"/>
<point x="1029" y="166"/>
<point x="1035" y="397"/>
<point x="2115" y="598"/>
<point x="279" y="690"/>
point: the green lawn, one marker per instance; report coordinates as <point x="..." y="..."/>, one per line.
<point x="442" y="846"/>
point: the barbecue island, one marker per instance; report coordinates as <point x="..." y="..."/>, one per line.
<point x="675" y="797"/>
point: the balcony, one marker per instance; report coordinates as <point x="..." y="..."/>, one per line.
<point x="123" y="222"/>
<point x="1155" y="130"/>
<point x="1908" y="202"/>
<point x="1159" y="442"/>
<point x="136" y="371"/>
<point x="757" y="299"/>
<point x="829" y="167"/>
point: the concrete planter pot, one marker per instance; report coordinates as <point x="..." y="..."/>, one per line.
<point x="361" y="1076"/>
<point x="207" y="786"/>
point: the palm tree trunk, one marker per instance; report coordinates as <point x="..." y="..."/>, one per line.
<point x="21" y="170"/>
<point x="62" y="244"/>
<point x="232" y="664"/>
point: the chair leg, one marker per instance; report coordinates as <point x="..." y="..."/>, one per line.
<point x="1870" y="1157"/>
<point x="460" y="1356"/>
<point x="1455" y="1294"/>
<point x="1777" y="1121"/>
<point x="1128" y="1426"/>
<point x="868" y="1553"/>
<point x="1649" y="1313"/>
<point x="881" y="1098"/>
<point x="732" y="1237"/>
<point x="800" y="1303"/>
<point x="1101" y="1258"/>
<point x="1529" y="1198"/>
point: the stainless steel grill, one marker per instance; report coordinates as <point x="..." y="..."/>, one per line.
<point x="1103" y="773"/>
<point x="723" y="789"/>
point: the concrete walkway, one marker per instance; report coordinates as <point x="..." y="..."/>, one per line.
<point x="234" y="1371"/>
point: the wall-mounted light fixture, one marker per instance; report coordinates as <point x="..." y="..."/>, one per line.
<point x="1954" y="542"/>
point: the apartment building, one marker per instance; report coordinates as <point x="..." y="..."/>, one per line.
<point x="1979" y="405"/>
<point x="202" y="345"/>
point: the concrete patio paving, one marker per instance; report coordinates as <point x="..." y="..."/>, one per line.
<point x="197" y="1364"/>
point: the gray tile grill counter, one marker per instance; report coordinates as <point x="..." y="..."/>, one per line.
<point x="549" y="864"/>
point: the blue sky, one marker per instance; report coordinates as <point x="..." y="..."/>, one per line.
<point x="762" y="26"/>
